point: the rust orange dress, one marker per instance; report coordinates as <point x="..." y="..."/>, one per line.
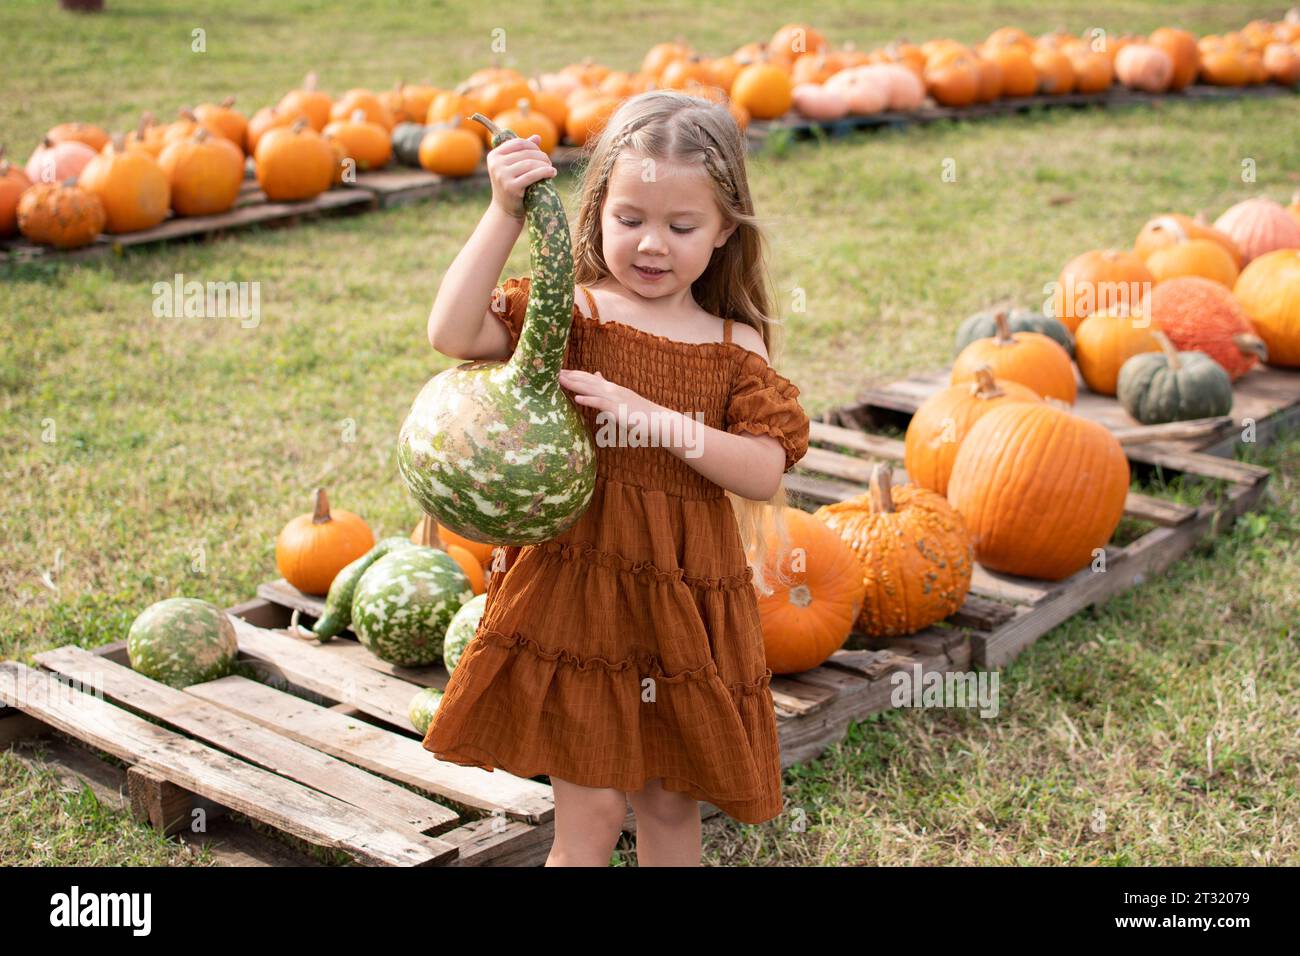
<point x="629" y="647"/>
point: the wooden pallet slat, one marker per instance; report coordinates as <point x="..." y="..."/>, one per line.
<point x="308" y="814"/>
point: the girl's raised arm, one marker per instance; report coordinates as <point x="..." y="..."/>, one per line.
<point x="458" y="326"/>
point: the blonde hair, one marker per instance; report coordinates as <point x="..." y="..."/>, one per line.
<point x="670" y="126"/>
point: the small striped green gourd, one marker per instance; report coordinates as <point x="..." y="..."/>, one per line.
<point x="1173" y="386"/>
<point x="496" y="451"/>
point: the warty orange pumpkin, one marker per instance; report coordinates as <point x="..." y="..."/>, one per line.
<point x="1202" y="316"/>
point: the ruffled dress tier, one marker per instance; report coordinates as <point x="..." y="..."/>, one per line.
<point x="629" y="647"/>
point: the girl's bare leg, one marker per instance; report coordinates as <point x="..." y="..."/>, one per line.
<point x="588" y="821"/>
<point x="667" y="826"/>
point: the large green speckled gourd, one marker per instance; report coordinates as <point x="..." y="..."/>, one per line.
<point x="496" y="451"/>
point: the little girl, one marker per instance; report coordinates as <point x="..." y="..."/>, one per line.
<point x="624" y="659"/>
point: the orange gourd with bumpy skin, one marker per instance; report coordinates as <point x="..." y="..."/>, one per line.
<point x="1199" y="315"/>
<point x="1040" y="489"/>
<point x="1030" y="358"/>
<point x="915" y="554"/>
<point x="936" y="430"/>
<point x="60" y="214"/>
<point x="816" y="596"/>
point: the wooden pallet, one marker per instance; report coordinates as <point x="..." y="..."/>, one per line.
<point x="1117" y="96"/>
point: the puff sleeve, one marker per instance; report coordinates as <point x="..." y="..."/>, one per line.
<point x="763" y="402"/>
<point x="509" y="303"/>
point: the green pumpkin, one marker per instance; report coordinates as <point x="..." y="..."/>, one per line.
<point x="1173" y="386"/>
<point x="983" y="325"/>
<point x="338" y="603"/>
<point x="182" y="641"/>
<point x="461" y="631"/>
<point x="405" y="601"/>
<point x="496" y="451"/>
<point x="423" y="704"/>
<point x="406" y="142"/>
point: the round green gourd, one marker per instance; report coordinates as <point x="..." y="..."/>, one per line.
<point x="423" y="704"/>
<point x="461" y="631"/>
<point x="405" y="601"/>
<point x="1172" y="386"/>
<point x="406" y="142"/>
<point x="496" y="451"/>
<point x="983" y="325"/>
<point x="182" y="641"/>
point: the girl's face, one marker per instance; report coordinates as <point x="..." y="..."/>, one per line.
<point x="660" y="216"/>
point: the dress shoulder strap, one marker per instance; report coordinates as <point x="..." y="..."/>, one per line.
<point x="591" y="303"/>
<point x="726" y="330"/>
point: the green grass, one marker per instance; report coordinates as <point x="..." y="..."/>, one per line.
<point x="181" y="446"/>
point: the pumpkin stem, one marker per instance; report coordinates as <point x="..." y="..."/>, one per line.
<point x="1004" y="329"/>
<point x="119" y="142"/>
<point x="1171" y="353"/>
<point x="881" y="487"/>
<point x="227" y="103"/>
<point x="429" y="536"/>
<point x="200" y="134"/>
<point x="1251" y="344"/>
<point x="322" y="513"/>
<point x="985" y="385"/>
<point x="358" y="116"/>
<point x="146" y="120"/>
<point x="1171" y="225"/>
<point x="299" y="125"/>
<point x="309" y="81"/>
<point x="186" y="113"/>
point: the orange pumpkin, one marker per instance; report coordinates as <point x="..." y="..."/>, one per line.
<point x="764" y="90"/>
<point x="307" y="101"/>
<point x="817" y="592"/>
<point x="1183" y="52"/>
<point x="1171" y="228"/>
<point x="147" y="136"/>
<point x="1107" y="339"/>
<point x="294" y="163"/>
<point x="267" y="119"/>
<point x="203" y="176"/>
<point x="937" y="428"/>
<point x="482" y="552"/>
<point x="1194" y="257"/>
<point x="526" y="121"/>
<point x="1039" y="488"/>
<point x="953" y="78"/>
<point x="1019" y="78"/>
<point x="427" y="533"/>
<point x="131" y="185"/>
<point x="588" y="118"/>
<point x="1030" y="358"/>
<point x="1202" y="316"/>
<point x="1096" y="280"/>
<point x="225" y="119"/>
<point x="1141" y="66"/>
<point x="914" y="552"/>
<point x="1282" y="62"/>
<point x="1093" y="70"/>
<point x="448" y="106"/>
<point x="367" y="144"/>
<point x="62" y="215"/>
<point x="1269" y="290"/>
<point x="366" y="101"/>
<point x="93" y="136"/>
<point x="13" y="181"/>
<point x="314" y="547"/>
<point x="451" y="150"/>
<point x="1055" y="74"/>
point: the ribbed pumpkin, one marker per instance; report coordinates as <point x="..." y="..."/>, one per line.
<point x="294" y="163"/>
<point x="307" y="101"/>
<point x="1055" y="74"/>
<point x="816" y="597"/>
<point x="448" y="149"/>
<point x="225" y="119"/>
<point x="984" y="325"/>
<point x="203" y="176"/>
<point x="1031" y="359"/>
<point x="1168" y="229"/>
<point x="13" y="181"/>
<point x="449" y="106"/>
<point x="267" y="119"/>
<point x="93" y="136"/>
<point x="131" y="185"/>
<point x="60" y="214"/>
<point x="1194" y="257"/>
<point x="1269" y="290"/>
<point x="1096" y="280"/>
<point x="315" y="546"/>
<point x="937" y="428"/>
<point x="1106" y="340"/>
<point x="366" y="101"/>
<point x="953" y="78"/>
<point x="1019" y="78"/>
<point x="1173" y="386"/>
<point x="1181" y="48"/>
<point x="529" y="122"/>
<point x="914" y="552"/>
<point x="1142" y="66"/>
<point x="1200" y="315"/>
<point x="764" y="90"/>
<point x="1093" y="70"/>
<point x="1259" y="226"/>
<point x="53" y="162"/>
<point x="366" y="143"/>
<point x="1039" y="489"/>
<point x="148" y="136"/>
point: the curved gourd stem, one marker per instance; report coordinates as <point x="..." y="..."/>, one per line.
<point x="548" y="319"/>
<point x="1249" y="344"/>
<point x="297" y="630"/>
<point x="1171" y="353"/>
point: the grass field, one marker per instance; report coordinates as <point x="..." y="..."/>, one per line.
<point x="146" y="457"/>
